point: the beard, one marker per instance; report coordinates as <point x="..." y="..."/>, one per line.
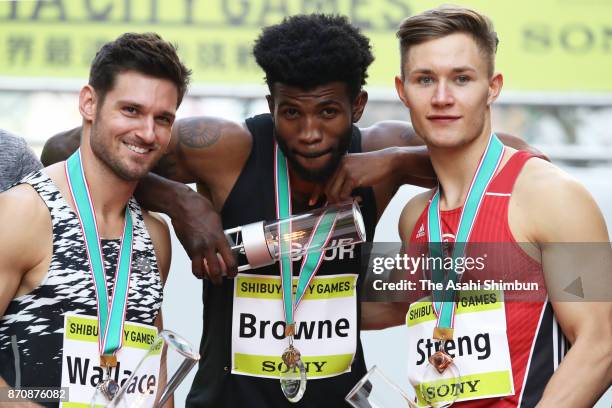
<point x="324" y="173"/>
<point x="102" y="149"/>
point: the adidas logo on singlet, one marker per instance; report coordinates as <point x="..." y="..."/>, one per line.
<point x="421" y="231"/>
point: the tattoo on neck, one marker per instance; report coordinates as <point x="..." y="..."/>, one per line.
<point x="196" y="134"/>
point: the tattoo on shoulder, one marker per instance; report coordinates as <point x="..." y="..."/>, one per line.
<point x="196" y="134"/>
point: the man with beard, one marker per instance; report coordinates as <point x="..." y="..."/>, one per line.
<point x="77" y="255"/>
<point x="315" y="69"/>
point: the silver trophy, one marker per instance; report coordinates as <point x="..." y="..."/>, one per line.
<point x="171" y="347"/>
<point x="260" y="241"/>
<point x="375" y="390"/>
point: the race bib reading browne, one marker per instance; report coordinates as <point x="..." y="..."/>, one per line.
<point x="81" y="371"/>
<point x="325" y="332"/>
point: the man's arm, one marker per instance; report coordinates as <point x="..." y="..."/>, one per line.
<point x="24" y="222"/>
<point x="393" y="155"/>
<point x="381" y="315"/>
<point x="21" y="249"/>
<point x="208" y="151"/>
<point x="550" y="196"/>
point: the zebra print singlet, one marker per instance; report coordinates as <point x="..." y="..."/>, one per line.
<point x="31" y="330"/>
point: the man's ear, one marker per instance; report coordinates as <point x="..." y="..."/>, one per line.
<point x="495" y="86"/>
<point x="401" y="92"/>
<point x="87" y="103"/>
<point x="359" y="105"/>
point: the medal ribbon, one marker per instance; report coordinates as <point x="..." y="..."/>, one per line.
<point x="319" y="238"/>
<point x="110" y="317"/>
<point x="444" y="300"/>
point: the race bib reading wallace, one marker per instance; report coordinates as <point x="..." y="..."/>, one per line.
<point x="325" y="332"/>
<point x="81" y="370"/>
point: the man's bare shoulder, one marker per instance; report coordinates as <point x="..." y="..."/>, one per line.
<point x="24" y="219"/>
<point x="202" y="132"/>
<point x="411" y="213"/>
<point x="208" y="150"/>
<point x="541" y="181"/>
<point x="389" y="133"/>
<point x="556" y="206"/>
<point x="21" y="200"/>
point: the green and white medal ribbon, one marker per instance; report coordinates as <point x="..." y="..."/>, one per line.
<point x="444" y="304"/>
<point x="111" y="312"/>
<point x="293" y="386"/>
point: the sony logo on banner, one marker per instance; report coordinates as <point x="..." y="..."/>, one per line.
<point x="576" y="38"/>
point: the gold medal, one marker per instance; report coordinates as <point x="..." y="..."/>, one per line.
<point x="108" y="387"/>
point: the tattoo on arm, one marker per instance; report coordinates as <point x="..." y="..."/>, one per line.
<point x="196" y="134"/>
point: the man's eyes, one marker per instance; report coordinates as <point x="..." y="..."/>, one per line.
<point x="425" y="80"/>
<point x="130" y="110"/>
<point x="462" y="79"/>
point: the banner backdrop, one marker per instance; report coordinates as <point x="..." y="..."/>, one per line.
<point x="548" y="45"/>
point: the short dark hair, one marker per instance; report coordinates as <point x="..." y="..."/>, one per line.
<point x="146" y="53"/>
<point x="307" y="51"/>
<point x="446" y="20"/>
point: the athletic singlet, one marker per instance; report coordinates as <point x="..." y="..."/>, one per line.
<point x="32" y="328"/>
<point x="252" y="200"/>
<point x="535" y="339"/>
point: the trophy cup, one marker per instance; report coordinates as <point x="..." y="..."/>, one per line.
<point x="260" y="241"/>
<point x="375" y="390"/>
<point x="148" y="394"/>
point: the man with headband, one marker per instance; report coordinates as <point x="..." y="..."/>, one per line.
<point x="79" y="260"/>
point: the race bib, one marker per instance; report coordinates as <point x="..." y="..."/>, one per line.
<point x="81" y="371"/>
<point x="479" y="348"/>
<point x="325" y="332"/>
